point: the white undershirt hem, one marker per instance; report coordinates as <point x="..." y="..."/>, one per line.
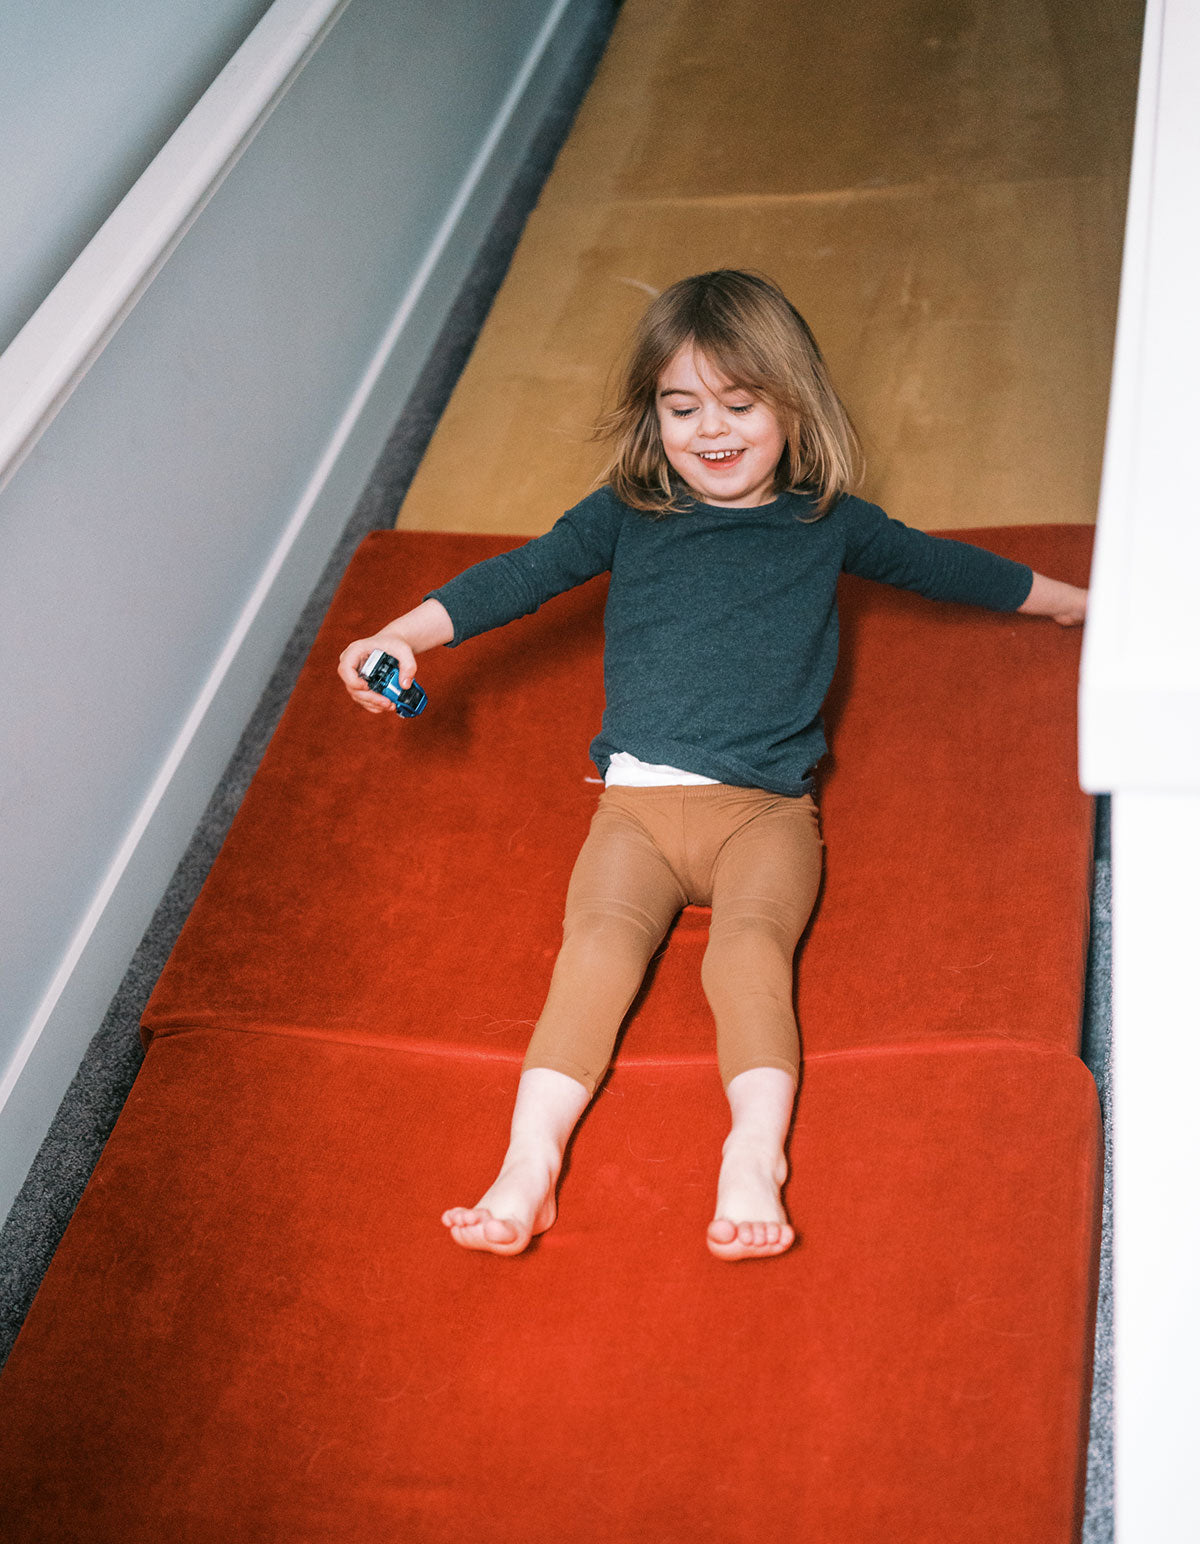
<point x="626" y="771"/>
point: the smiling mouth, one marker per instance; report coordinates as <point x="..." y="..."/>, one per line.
<point x="719" y="457"/>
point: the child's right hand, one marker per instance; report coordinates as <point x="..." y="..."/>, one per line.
<point x="352" y="658"/>
<point x="424" y="627"/>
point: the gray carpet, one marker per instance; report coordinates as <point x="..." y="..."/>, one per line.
<point x="92" y="1103"/>
<point x="1098" y="1525"/>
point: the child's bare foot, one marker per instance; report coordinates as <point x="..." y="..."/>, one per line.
<point x="519" y="1204"/>
<point x="750" y="1222"/>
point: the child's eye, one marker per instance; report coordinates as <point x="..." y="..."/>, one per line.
<point x="740" y="407"/>
<point x="682" y="412"/>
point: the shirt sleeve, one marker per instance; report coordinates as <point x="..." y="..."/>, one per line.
<point x="576" y="548"/>
<point x="938" y="567"/>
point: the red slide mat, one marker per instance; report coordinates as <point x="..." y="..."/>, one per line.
<point x="402" y="883"/>
<point x="256" y="1329"/>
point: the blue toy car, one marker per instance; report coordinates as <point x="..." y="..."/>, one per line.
<point x="381" y="672"/>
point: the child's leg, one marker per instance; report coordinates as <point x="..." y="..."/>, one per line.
<point x="521" y="1202"/>
<point x="765" y="883"/>
<point x="620" y="902"/>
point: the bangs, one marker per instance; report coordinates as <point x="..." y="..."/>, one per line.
<point x="735" y="364"/>
<point x="747" y="348"/>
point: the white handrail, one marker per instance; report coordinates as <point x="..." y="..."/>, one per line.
<point x="57" y="346"/>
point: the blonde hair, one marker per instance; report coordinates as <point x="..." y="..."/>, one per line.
<point x="750" y="333"/>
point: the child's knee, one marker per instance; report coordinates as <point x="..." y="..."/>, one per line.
<point x="745" y="956"/>
<point x="610" y="930"/>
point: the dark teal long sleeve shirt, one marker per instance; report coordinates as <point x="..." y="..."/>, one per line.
<point x="721" y="630"/>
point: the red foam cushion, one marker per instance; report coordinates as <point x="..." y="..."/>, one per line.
<point x="403" y="882"/>
<point x="256" y="1327"/>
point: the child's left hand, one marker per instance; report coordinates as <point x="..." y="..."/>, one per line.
<point x="1065" y="604"/>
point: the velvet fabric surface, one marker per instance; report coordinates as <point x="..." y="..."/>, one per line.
<point x="403" y="882"/>
<point x="256" y="1327"/>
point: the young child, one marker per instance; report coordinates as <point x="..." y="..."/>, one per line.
<point x="724" y="522"/>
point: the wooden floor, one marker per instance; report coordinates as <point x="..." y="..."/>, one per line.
<point x="938" y="186"/>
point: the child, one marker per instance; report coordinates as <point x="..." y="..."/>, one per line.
<point x="725" y="520"/>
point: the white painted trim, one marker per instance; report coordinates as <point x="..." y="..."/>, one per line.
<point x="54" y="350"/>
<point x="1140" y="678"/>
<point x="1156" y="1229"/>
<point x="1139" y="708"/>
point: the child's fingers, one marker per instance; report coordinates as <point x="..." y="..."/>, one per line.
<point x="406" y="661"/>
<point x="349" y="661"/>
<point x="366" y="698"/>
<point x="363" y="695"/>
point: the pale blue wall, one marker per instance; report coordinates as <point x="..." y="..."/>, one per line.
<point x="90" y="91"/>
<point x="223" y="434"/>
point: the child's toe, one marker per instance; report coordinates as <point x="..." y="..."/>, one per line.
<point x="499" y="1230"/>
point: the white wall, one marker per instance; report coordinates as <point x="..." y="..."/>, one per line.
<point x="1140" y="722"/>
<point x="89" y="94"/>
<point x="173" y="496"/>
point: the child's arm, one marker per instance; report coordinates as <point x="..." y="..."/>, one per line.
<point x="1066" y="603"/>
<point x="426" y="626"/>
<point x="498" y="590"/>
<point x="943" y="568"/>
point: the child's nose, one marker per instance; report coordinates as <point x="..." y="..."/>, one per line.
<point x="713" y="420"/>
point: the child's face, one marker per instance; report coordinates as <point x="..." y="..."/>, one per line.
<point x="724" y="442"/>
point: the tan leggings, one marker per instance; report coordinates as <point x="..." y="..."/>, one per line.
<point x="754" y="857"/>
